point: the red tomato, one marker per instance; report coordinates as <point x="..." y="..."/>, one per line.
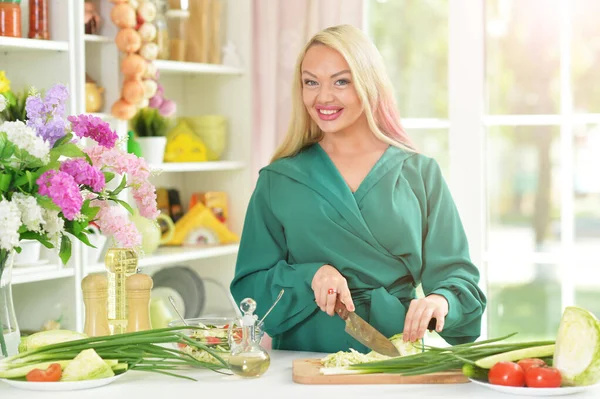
<point x="508" y="374"/>
<point x="213" y="340"/>
<point x="527" y="363"/>
<point x="52" y="374"/>
<point x="543" y="377"/>
<point x="181" y="345"/>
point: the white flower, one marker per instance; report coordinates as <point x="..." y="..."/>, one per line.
<point x="26" y="139"/>
<point x="10" y="221"/>
<point x="2" y="103"/>
<point x="31" y="212"/>
<point x="53" y="225"/>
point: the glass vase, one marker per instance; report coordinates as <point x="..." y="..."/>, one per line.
<point x="10" y="335"/>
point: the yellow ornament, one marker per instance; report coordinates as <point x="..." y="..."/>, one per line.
<point x="4" y="82"/>
<point x="183" y="145"/>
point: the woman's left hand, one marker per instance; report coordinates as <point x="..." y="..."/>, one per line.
<point x="420" y="312"/>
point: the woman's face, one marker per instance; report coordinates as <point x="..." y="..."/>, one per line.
<point x="328" y="91"/>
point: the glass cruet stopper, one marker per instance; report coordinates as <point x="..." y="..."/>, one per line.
<point x="249" y="359"/>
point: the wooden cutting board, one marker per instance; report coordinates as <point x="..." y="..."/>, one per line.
<point x="306" y="371"/>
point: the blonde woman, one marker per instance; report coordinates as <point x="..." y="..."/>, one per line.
<point x="347" y="208"/>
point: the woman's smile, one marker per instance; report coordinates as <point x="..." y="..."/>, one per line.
<point x="329" y="112"/>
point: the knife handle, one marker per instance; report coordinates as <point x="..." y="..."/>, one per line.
<point x="340" y="308"/>
<point x="432" y="324"/>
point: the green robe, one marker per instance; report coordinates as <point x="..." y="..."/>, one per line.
<point x="400" y="228"/>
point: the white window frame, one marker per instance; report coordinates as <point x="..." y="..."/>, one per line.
<point x="468" y="124"/>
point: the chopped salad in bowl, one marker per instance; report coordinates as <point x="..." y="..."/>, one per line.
<point x="215" y="333"/>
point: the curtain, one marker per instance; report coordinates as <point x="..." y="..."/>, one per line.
<point x="280" y="29"/>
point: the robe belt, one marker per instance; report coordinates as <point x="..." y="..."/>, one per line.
<point x="385" y="307"/>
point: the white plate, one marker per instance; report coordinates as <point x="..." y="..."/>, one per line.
<point x="536" y="391"/>
<point x="61" y="386"/>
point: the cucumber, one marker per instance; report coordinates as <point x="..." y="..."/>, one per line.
<point x="516" y="355"/>
<point x="20" y="372"/>
<point x="119" y="368"/>
<point x="474" y="372"/>
<point x="87" y="366"/>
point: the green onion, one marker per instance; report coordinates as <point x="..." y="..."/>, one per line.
<point x="435" y="359"/>
<point x="140" y="350"/>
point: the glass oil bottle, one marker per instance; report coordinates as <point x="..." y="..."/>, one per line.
<point x="248" y="359"/>
<point x="120" y="264"/>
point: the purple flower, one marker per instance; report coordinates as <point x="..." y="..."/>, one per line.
<point x="46" y="116"/>
<point x="94" y="128"/>
<point x="63" y="190"/>
<point x="84" y="173"/>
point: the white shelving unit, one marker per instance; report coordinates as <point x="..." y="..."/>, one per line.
<point x="198" y="89"/>
<point x="26" y="45"/>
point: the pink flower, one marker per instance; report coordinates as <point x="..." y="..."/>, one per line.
<point x="94" y="128"/>
<point x="84" y="173"/>
<point x="138" y="171"/>
<point x="63" y="190"/>
<point x="112" y="221"/>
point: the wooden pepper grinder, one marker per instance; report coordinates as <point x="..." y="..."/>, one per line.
<point x="95" y="298"/>
<point x="138" y="288"/>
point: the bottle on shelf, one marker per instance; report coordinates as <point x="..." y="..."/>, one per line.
<point x="10" y="18"/>
<point x="120" y="264"/>
<point x="38" y="20"/>
<point x="138" y="302"/>
<point x="95" y="299"/>
<point x="162" y="30"/>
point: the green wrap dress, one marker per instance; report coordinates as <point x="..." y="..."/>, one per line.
<point x="398" y="229"/>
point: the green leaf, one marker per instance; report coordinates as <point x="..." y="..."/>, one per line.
<point x="30" y="179"/>
<point x="65" y="249"/>
<point x="84" y="239"/>
<point x="64" y="139"/>
<point x="46" y="203"/>
<point x="91" y="212"/>
<point x="125" y="204"/>
<point x="30" y="235"/>
<point x="5" y="180"/>
<point x="53" y="165"/>
<point x="7" y="150"/>
<point x="68" y="150"/>
<point x="121" y="186"/>
<point x="108" y="176"/>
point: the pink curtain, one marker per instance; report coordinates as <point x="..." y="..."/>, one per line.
<point x="281" y="28"/>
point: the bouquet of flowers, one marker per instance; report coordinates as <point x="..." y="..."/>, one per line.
<point x="52" y="186"/>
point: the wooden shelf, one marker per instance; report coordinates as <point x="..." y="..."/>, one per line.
<point x="98" y="39"/>
<point x="178" y="67"/>
<point x="171" y="255"/>
<point x="23" y="44"/>
<point x="22" y="275"/>
<point x="197" y="166"/>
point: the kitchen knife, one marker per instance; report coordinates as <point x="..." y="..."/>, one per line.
<point x="365" y="333"/>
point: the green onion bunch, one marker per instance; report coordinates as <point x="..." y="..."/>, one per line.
<point x="142" y="351"/>
<point x="436" y="359"/>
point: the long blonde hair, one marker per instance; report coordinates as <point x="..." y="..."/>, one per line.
<point x="372" y="85"/>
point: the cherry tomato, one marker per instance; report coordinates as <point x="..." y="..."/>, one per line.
<point x="527" y="363"/>
<point x="52" y="374"/>
<point x="543" y="377"/>
<point x="213" y="340"/>
<point x="508" y="374"/>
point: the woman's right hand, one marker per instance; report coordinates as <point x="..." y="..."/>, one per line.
<point x="327" y="284"/>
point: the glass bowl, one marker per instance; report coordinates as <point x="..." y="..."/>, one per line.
<point x="218" y="335"/>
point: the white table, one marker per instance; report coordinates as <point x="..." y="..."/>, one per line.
<point x="275" y="383"/>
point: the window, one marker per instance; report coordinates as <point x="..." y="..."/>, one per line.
<point x="523" y="73"/>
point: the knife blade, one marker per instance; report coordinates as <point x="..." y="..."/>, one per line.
<point x="365" y="333"/>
